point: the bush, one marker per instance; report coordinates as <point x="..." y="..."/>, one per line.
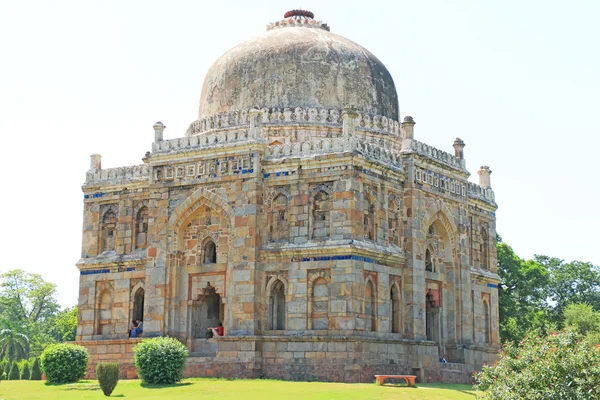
<point x="25" y="371"/>
<point x="559" y="366"/>
<point x="160" y="360"/>
<point x="14" y="374"/>
<point x="36" y="371"/>
<point x="108" y="376"/>
<point x="64" y="363"/>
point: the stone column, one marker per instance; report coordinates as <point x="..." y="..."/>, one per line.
<point x="484" y="176"/>
<point x="349" y="117"/>
<point x="255" y="117"/>
<point x="96" y="162"/>
<point x="407" y="132"/>
<point x="459" y="147"/>
<point x="158" y="131"/>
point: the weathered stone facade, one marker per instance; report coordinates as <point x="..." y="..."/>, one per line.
<point x="330" y="242"/>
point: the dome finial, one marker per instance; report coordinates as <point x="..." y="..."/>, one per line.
<point x="299" y="13"/>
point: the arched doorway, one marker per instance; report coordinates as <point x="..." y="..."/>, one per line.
<point x="138" y="305"/>
<point x="207" y="312"/>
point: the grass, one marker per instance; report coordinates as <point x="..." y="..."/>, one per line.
<point x="211" y="388"/>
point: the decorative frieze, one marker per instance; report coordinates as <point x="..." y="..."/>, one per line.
<point x="293" y="116"/>
<point x="208" y="168"/>
<point x="441" y="182"/>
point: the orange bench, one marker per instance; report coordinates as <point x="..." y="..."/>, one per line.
<point x="410" y="379"/>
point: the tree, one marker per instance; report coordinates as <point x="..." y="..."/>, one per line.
<point x="64" y="324"/>
<point x="13" y="344"/>
<point x="582" y="318"/>
<point x="28" y="306"/>
<point x="522" y="293"/>
<point x="36" y="371"/>
<point x="25" y="298"/>
<point x="573" y="282"/>
<point x="14" y="374"/>
<point x="25" y="371"/>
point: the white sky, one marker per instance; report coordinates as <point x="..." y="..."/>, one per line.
<point x="518" y="81"/>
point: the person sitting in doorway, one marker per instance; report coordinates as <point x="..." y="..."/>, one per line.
<point x="218" y="331"/>
<point x="131" y="327"/>
<point x="138" y="328"/>
<point x="209" y="333"/>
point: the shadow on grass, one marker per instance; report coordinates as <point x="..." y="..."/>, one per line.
<point x="162" y="386"/>
<point x="80" y="385"/>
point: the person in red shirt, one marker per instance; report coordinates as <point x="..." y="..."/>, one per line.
<point x="219" y="330"/>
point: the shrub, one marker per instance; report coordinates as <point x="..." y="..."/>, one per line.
<point x="14" y="374"/>
<point x="64" y="363"/>
<point x="108" y="376"/>
<point x="558" y="366"/>
<point x="36" y="371"/>
<point x="160" y="360"/>
<point x="25" y="371"/>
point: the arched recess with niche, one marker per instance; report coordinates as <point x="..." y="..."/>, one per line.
<point x="396" y="307"/>
<point x="276" y="302"/>
<point x="140" y="225"/>
<point x="278" y="216"/>
<point x="394" y="220"/>
<point x="321" y="205"/>
<point x="370" y="304"/>
<point x="108" y="228"/>
<point x="104" y="319"/>
<point x="318" y="300"/>
<point x="440" y="234"/>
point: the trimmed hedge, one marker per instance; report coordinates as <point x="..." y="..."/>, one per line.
<point x="64" y="363"/>
<point x="36" y="371"/>
<point x="160" y="360"/>
<point x="108" y="376"/>
<point x="14" y="374"/>
<point x="25" y="371"/>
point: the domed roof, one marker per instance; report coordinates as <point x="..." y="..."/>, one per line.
<point x="298" y="63"/>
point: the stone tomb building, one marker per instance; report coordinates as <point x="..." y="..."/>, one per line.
<point x="300" y="212"/>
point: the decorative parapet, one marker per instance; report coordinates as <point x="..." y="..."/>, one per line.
<point x="343" y="144"/>
<point x="188" y="143"/>
<point x="436" y="154"/>
<point x="481" y="193"/>
<point x="118" y="175"/>
<point x="294" y="116"/>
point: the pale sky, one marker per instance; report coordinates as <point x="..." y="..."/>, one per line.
<point x="518" y="81"/>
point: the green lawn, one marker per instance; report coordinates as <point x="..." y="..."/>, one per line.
<point x="204" y="388"/>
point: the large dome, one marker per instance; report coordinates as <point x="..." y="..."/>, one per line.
<point x="298" y="63"/>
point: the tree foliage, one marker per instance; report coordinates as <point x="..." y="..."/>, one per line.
<point x="25" y="371"/>
<point x="14" y="374"/>
<point x="30" y="316"/>
<point x="26" y="298"/>
<point x="582" y="318"/>
<point x="522" y="293"/>
<point x="534" y="294"/>
<point x="556" y="366"/>
<point x="13" y="344"/>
